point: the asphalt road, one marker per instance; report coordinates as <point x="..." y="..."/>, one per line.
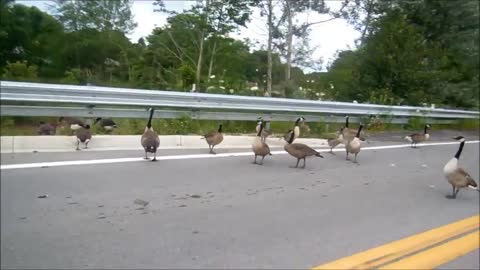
<point x="225" y="212"/>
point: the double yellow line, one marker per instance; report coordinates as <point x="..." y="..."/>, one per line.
<point x="425" y="250"/>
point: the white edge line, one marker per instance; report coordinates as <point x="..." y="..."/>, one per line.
<point x="190" y="156"/>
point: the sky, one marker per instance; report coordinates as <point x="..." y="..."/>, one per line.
<point x="327" y="37"/>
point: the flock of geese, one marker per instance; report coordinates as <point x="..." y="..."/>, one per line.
<point x="350" y="137"/>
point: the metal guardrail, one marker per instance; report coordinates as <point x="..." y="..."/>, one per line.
<point x="196" y="105"/>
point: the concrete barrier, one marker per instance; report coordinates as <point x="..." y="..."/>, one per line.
<point x="23" y="144"/>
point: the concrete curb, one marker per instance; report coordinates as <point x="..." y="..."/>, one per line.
<point x="25" y="144"/>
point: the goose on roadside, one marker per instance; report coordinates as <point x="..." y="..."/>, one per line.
<point x="107" y="123"/>
<point x="259" y="147"/>
<point x="266" y="132"/>
<point x="418" y="137"/>
<point x="213" y="138"/>
<point x="300" y="151"/>
<point x="73" y="122"/>
<point x="295" y="133"/>
<point x="84" y="135"/>
<point x="150" y="140"/>
<point x="46" y="129"/>
<point x="457" y="176"/>
<point x="354" y="145"/>
<point x="333" y="142"/>
<point x="349" y="133"/>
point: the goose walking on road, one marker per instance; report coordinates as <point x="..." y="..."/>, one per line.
<point x="418" y="137"/>
<point x="259" y="147"/>
<point x="84" y="135"/>
<point x="300" y="151"/>
<point x="150" y="140"/>
<point x="354" y="145"/>
<point x="213" y="138"/>
<point x="457" y="176"/>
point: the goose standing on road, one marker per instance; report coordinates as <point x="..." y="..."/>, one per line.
<point x="84" y="135"/>
<point x="418" y="137"/>
<point x="266" y="132"/>
<point x="107" y="124"/>
<point x="150" y="140"/>
<point x="333" y="142"/>
<point x="295" y="133"/>
<point x="300" y="151"/>
<point x="259" y="147"/>
<point x="457" y="176"/>
<point x="213" y="138"/>
<point x="349" y="133"/>
<point x="353" y="146"/>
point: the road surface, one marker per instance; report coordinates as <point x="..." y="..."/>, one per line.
<point x="224" y="212"/>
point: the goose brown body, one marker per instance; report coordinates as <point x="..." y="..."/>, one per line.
<point x="46" y="129"/>
<point x="214" y="138"/>
<point x="457" y="176"/>
<point x="259" y="147"/>
<point x="418" y="137"/>
<point x="84" y="135"/>
<point x="150" y="140"/>
<point x="353" y="146"/>
<point x="300" y="151"/>
<point x="73" y="122"/>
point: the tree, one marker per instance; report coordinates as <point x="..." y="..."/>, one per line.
<point x="99" y="14"/>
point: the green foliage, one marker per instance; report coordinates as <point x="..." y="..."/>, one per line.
<point x="20" y="71"/>
<point x="416" y="123"/>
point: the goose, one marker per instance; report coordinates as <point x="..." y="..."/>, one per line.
<point x="333" y="142"/>
<point x="418" y="137"/>
<point x="46" y="129"/>
<point x="266" y="132"/>
<point x="349" y="133"/>
<point x="295" y="133"/>
<point x="150" y="140"/>
<point x="353" y="146"/>
<point x="300" y="151"/>
<point x="107" y="124"/>
<point x="259" y="147"/>
<point x="213" y="138"/>
<point x="74" y="123"/>
<point x="457" y="176"/>
<point x="84" y="135"/>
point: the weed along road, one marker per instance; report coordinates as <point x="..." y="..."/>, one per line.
<point x="111" y="209"/>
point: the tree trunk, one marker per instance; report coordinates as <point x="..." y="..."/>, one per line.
<point x="199" y="62"/>
<point x="269" y="47"/>
<point x="288" y="67"/>
<point x="200" y="53"/>
<point x="212" y="58"/>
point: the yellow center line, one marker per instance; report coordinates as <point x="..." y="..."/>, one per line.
<point x="394" y="250"/>
<point x="438" y="255"/>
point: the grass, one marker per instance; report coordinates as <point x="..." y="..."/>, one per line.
<point x="16" y="126"/>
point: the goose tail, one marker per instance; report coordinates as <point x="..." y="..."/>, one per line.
<point x="408" y="138"/>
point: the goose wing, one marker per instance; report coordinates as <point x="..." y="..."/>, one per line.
<point x="468" y="177"/>
<point x="304" y="148"/>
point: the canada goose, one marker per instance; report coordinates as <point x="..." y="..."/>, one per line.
<point x="259" y="147"/>
<point x="84" y="135"/>
<point x="418" y="137"/>
<point x="150" y="140"/>
<point x="353" y="146"/>
<point x="300" y="151"/>
<point x="107" y="124"/>
<point x="349" y="133"/>
<point x="333" y="142"/>
<point x="457" y="176"/>
<point x="74" y="123"/>
<point x="46" y="129"/>
<point x="213" y="138"/>
<point x="266" y="132"/>
<point x="295" y="133"/>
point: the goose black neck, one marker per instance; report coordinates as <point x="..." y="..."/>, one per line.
<point x="149" y="124"/>
<point x="220" y="128"/>
<point x="459" y="152"/>
<point x="425" y="130"/>
<point x="297" y="122"/>
<point x="346" y="122"/>
<point x="292" y="136"/>
<point x="359" y="130"/>
<point x="260" y="130"/>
